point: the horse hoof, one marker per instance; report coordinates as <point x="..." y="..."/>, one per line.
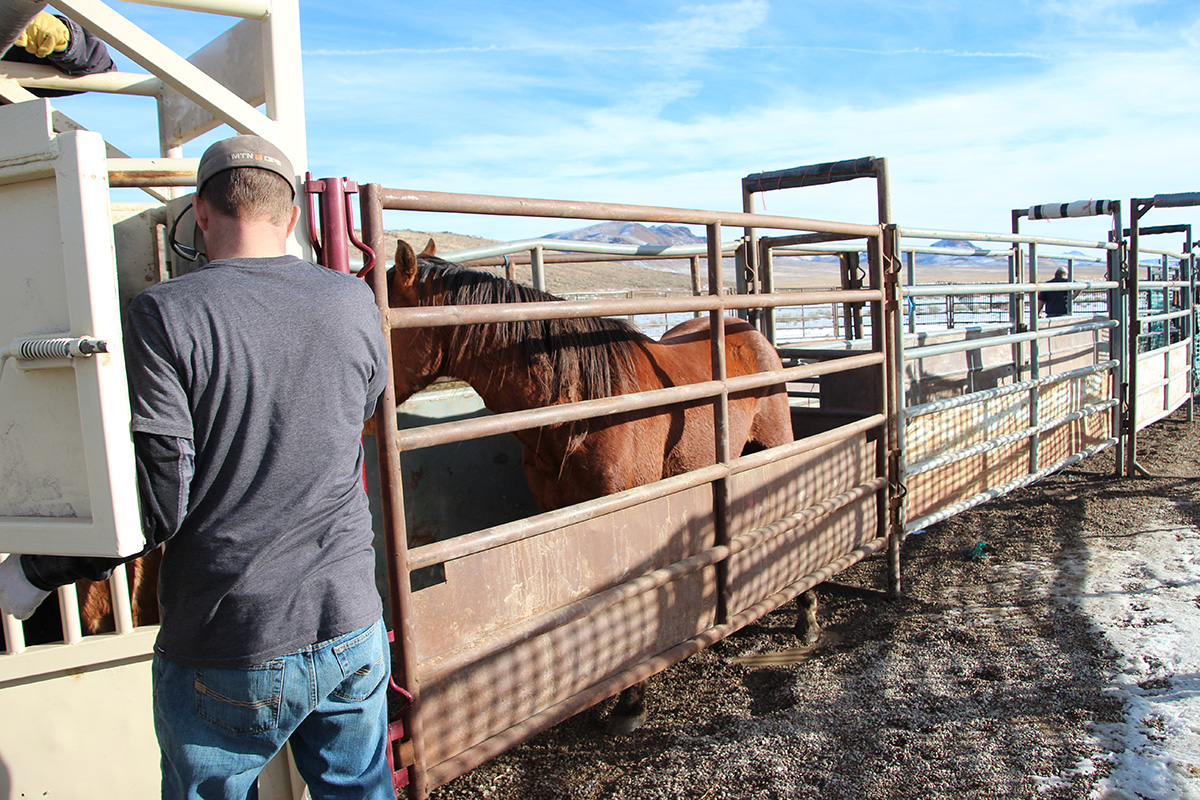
<point x="624" y="725"/>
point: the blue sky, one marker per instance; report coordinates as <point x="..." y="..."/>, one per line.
<point x="979" y="107"/>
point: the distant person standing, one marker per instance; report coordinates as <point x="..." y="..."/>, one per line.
<point x="1056" y="303"/>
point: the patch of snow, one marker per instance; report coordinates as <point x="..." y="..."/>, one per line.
<point x="1143" y="592"/>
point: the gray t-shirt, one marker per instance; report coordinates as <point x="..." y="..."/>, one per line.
<point x="270" y="366"/>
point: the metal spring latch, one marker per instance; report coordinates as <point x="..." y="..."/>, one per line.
<point x="41" y="353"/>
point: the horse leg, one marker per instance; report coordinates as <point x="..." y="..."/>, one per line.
<point x="807" y="627"/>
<point x="629" y="713"/>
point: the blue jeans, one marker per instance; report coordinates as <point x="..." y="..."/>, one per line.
<point x="217" y="728"/>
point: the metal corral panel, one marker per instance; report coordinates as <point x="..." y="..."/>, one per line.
<point x="532" y="629"/>
<point x="764" y="496"/>
<point x="493" y="652"/>
<point x="981" y="425"/>
<point x="1163" y="383"/>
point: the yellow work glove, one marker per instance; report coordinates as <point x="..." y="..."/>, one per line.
<point x="46" y="34"/>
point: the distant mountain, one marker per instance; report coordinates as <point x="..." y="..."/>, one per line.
<point x="957" y="244"/>
<point x="633" y="233"/>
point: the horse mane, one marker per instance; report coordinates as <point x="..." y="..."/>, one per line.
<point x="573" y="359"/>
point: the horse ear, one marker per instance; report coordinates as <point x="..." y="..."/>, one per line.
<point x="406" y="266"/>
<point x="430" y="248"/>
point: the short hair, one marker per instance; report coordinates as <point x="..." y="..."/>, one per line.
<point x="250" y="194"/>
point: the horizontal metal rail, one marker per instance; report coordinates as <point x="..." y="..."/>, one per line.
<point x="573" y="246"/>
<point x="1164" y="317"/>
<point x="37" y="76"/>
<point x="444" y="316"/>
<point x="607" y="598"/>
<point x="500" y="535"/>
<point x="955" y="456"/>
<point x="250" y="9"/>
<point x="1160" y="383"/>
<point x="917" y="233"/>
<point x="914" y="353"/>
<point x="130" y="172"/>
<point x="1146" y="286"/>
<point x="1166" y="348"/>
<point x="984" y="395"/>
<point x="1000" y="491"/>
<point x="404" y="200"/>
<point x="946" y="290"/>
<point x="509" y="422"/>
<point x="813" y="175"/>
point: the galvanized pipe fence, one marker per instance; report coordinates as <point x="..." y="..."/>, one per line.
<point x="714" y="392"/>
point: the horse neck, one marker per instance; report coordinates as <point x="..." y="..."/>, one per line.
<point x="503" y="377"/>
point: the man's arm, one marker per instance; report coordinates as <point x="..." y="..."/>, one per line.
<point x="165" y="465"/>
<point x="165" y="455"/>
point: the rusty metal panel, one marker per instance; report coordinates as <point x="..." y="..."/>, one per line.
<point x="480" y="675"/>
<point x="767" y="494"/>
<point x="489" y="591"/>
<point x="468" y="705"/>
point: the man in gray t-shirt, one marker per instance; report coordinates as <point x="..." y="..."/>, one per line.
<point x="250" y="379"/>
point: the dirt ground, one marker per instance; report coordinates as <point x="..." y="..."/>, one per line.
<point x="985" y="680"/>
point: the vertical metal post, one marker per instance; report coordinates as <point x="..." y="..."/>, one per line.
<point x="746" y="261"/>
<point x="1189" y="301"/>
<point x="404" y="656"/>
<point x="1034" y="364"/>
<point x="537" y="264"/>
<point x="1137" y="209"/>
<point x="720" y="422"/>
<point x="335" y="247"/>
<point x="766" y="261"/>
<point x="886" y="336"/>
<point x="697" y="289"/>
<point x="1016" y="310"/>
<point x="910" y="257"/>
<point x="883" y="191"/>
<point x="14" y="631"/>
<point x="1117" y="336"/>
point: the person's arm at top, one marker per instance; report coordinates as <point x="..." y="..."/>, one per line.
<point x="63" y="44"/>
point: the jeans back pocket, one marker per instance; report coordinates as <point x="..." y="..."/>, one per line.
<point x="363" y="661"/>
<point x="241" y="701"/>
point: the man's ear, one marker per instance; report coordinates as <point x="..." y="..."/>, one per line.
<point x="295" y="218"/>
<point x="201" y="211"/>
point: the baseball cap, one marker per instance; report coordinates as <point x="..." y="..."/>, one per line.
<point x="244" y="151"/>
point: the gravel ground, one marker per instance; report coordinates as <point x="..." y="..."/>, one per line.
<point x="986" y="679"/>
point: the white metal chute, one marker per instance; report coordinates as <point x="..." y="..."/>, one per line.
<point x="64" y="421"/>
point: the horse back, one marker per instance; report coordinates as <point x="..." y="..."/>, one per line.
<point x="746" y="350"/>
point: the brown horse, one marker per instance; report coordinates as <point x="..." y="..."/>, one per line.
<point x="95" y="598"/>
<point x="531" y="364"/>
<point x="522" y="365"/>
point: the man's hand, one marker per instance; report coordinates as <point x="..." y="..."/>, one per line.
<point x="46" y="34"/>
<point x="18" y="596"/>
